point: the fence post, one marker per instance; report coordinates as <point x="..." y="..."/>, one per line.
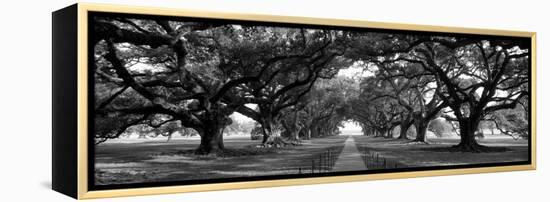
<point x="326" y="161"/>
<point x="366" y="159"/>
<point x="332" y="160"/>
<point x="325" y="155"/>
<point x="329" y="160"/>
<point x="312" y="166"/>
<point x="320" y="162"/>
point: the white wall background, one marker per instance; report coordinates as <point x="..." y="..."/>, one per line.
<point x="25" y="99"/>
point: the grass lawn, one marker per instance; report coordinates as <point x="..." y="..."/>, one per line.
<point x="155" y="161"/>
<point x="404" y="154"/>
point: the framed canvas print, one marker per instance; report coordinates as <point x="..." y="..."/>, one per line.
<point x="156" y="100"/>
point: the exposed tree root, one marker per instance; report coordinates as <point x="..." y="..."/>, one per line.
<point x="418" y="142"/>
<point x="221" y="153"/>
<point x="476" y="148"/>
<point x="202" y="151"/>
<point x="277" y="141"/>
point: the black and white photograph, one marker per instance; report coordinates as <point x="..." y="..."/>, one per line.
<point x="181" y="100"/>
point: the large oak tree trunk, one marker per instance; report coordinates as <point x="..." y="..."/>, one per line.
<point x="366" y="132"/>
<point x="266" y="132"/>
<point x="272" y="134"/>
<point x="383" y="133"/>
<point x="212" y="134"/>
<point x="403" y="128"/>
<point x="421" y="128"/>
<point x="313" y="132"/>
<point x="468" y="142"/>
<point x="211" y="140"/>
<point x="389" y="133"/>
<point x="308" y="134"/>
<point x="269" y="130"/>
<point x="293" y="129"/>
<point x="295" y="135"/>
<point x="219" y="139"/>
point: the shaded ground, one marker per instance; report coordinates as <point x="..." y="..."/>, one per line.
<point x="401" y="153"/>
<point x="120" y="163"/>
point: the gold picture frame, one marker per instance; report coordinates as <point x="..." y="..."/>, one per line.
<point x="78" y="187"/>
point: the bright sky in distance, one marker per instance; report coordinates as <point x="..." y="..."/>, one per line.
<point x="357" y="69"/>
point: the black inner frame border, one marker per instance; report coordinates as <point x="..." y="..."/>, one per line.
<point x="91" y="99"/>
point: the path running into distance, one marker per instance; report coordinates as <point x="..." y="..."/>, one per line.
<point x="350" y="158"/>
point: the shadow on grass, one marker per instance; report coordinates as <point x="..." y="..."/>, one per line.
<point x="485" y="149"/>
<point x="225" y="153"/>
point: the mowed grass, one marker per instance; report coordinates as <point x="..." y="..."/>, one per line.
<point x="405" y="154"/>
<point x="160" y="161"/>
